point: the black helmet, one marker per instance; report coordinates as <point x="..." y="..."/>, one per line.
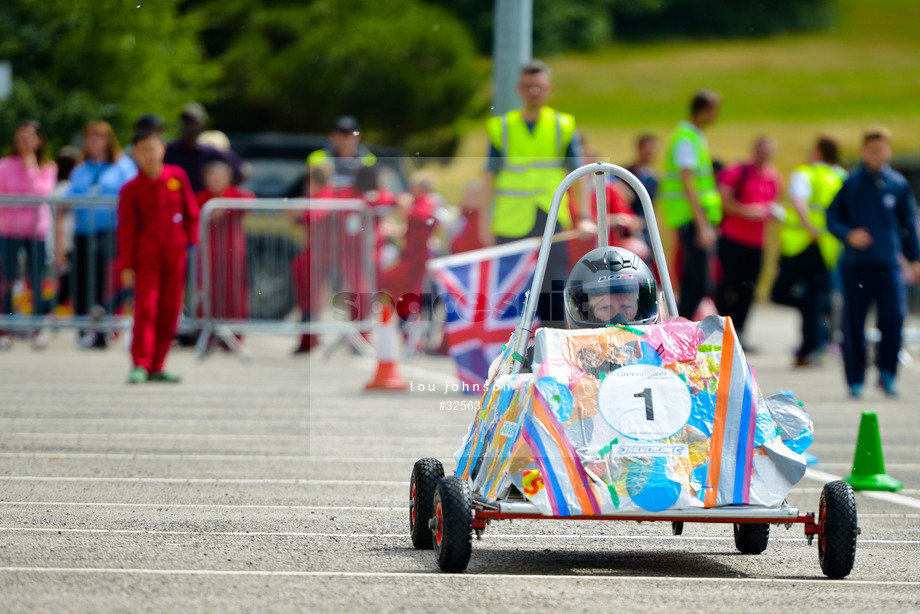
<point x="610" y="285"/>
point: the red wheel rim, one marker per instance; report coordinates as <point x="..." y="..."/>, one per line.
<point x="822" y="521"/>
<point x="412" y="505"/>
<point x="440" y="516"/>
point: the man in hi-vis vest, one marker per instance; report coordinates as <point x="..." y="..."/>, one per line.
<point x="344" y="156"/>
<point x="690" y="201"/>
<point x="532" y="149"/>
<point x="809" y="251"/>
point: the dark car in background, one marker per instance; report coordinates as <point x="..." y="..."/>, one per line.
<point x="277" y="166"/>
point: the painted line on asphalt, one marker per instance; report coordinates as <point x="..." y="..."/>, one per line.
<point x="162" y="421"/>
<point x="887" y="497"/>
<point x="211" y="457"/>
<point x="817" y="491"/>
<point x="294" y="507"/>
<point x="228" y="437"/>
<point x="889" y="466"/>
<point x="488" y="537"/>
<point x="280" y="481"/>
<point x="325" y="508"/>
<point x="451" y="577"/>
<point x="331" y="508"/>
<point x="197" y="481"/>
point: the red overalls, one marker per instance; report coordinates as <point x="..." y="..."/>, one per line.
<point x="406" y="281"/>
<point x="227" y="253"/>
<point x="157" y="222"/>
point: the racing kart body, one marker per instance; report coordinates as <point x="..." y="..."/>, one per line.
<point x="655" y="422"/>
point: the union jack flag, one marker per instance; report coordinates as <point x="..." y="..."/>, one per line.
<point x="483" y="291"/>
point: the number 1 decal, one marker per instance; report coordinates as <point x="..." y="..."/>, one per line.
<point x="621" y="395"/>
<point x="649" y="409"/>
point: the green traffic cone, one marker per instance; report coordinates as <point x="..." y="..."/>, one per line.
<point x="868" y="462"/>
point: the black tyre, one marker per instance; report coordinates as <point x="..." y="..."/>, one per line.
<point x="425" y="476"/>
<point x="453" y="525"/>
<point x="751" y="537"/>
<point x="837" y="517"/>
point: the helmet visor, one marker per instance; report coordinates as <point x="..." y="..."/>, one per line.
<point x="614" y="299"/>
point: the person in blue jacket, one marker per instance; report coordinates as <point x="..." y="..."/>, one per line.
<point x="873" y="215"/>
<point x="94" y="228"/>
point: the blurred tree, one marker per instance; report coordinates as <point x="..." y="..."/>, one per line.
<point x="78" y="61"/>
<point x="642" y="19"/>
<point x="558" y="25"/>
<point x="563" y="25"/>
<point x="403" y="68"/>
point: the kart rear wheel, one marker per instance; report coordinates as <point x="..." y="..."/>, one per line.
<point x="751" y="537"/>
<point x="837" y="518"/>
<point x="452" y="526"/>
<point x="424" y="481"/>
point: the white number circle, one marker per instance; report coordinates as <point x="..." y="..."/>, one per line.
<point x="644" y="402"/>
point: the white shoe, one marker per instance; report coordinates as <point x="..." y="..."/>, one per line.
<point x="86" y="340"/>
<point x="39" y="341"/>
<point x="6" y="342"/>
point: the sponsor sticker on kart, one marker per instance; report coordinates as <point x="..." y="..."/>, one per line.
<point x="666" y="450"/>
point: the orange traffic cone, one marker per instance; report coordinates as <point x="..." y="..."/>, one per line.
<point x="387" y="376"/>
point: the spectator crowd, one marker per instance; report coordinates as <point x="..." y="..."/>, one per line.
<point x="853" y="234"/>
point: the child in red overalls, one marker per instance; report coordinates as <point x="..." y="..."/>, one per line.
<point x="228" y="267"/>
<point x="309" y="267"/>
<point x="157" y="222"/>
<point x="406" y="280"/>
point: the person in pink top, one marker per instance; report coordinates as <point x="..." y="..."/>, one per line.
<point x="26" y="172"/>
<point x="749" y="194"/>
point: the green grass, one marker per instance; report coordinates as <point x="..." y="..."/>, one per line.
<point x="793" y="87"/>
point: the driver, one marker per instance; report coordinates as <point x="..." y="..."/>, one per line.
<point x="618" y="305"/>
<point x="610" y="285"/>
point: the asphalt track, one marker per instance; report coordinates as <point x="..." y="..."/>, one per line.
<point x="280" y="485"/>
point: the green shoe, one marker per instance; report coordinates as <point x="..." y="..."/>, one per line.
<point x="165" y="377"/>
<point x="138" y="375"/>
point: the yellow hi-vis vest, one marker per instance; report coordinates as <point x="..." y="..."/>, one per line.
<point x="532" y="169"/>
<point x="676" y="207"/>
<point x="794" y="238"/>
<point x="342" y="171"/>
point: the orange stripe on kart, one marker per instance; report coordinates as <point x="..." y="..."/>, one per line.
<point x="718" y="427"/>
<point x="585" y="499"/>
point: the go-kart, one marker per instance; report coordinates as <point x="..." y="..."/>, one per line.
<point x="658" y="422"/>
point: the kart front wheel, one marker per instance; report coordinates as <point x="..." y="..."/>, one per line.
<point x="424" y="481"/>
<point x="837" y="519"/>
<point x="452" y="525"/>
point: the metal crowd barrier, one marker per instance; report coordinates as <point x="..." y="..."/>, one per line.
<point x="308" y="269"/>
<point x="74" y="274"/>
<point x="266" y="291"/>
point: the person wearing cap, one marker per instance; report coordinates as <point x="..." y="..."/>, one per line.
<point x="157" y="222"/>
<point x="345" y="155"/>
<point x="192" y="156"/>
